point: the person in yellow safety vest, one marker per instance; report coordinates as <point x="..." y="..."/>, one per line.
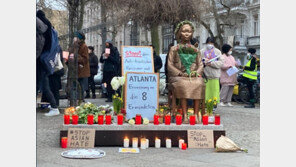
<point x="250" y="75"/>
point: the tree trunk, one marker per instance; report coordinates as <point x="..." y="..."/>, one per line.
<point x="155" y="38"/>
<point x="104" y="27"/>
<point x="219" y="30"/>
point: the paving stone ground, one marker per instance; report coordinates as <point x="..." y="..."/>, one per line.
<point x="241" y="125"/>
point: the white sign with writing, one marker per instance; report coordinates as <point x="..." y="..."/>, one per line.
<point x="137" y="59"/>
<point x="141" y="94"/>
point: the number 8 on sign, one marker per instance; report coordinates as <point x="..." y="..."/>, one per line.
<point x="144" y="95"/>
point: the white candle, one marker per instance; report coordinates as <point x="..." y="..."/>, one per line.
<point x="126" y="143"/>
<point x="180" y="143"/>
<point x="143" y="143"/>
<point x="147" y="143"/>
<point x="157" y="143"/>
<point x="135" y="142"/>
<point x="168" y="143"/>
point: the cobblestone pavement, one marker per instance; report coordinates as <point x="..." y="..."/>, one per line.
<point x="241" y="125"/>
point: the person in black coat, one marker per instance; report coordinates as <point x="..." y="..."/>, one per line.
<point x="111" y="67"/>
<point x="93" y="65"/>
<point x="157" y="61"/>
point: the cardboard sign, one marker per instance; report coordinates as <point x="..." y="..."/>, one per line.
<point x="81" y="138"/>
<point x="141" y="94"/>
<point x="137" y="59"/>
<point x="200" y="138"/>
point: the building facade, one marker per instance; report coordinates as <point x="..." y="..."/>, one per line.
<point x="244" y="34"/>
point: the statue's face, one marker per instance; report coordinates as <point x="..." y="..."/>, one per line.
<point x="186" y="32"/>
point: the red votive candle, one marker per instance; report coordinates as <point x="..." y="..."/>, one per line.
<point x="119" y="119"/>
<point x="64" y="141"/>
<point x="217" y="119"/>
<point x="167" y="119"/>
<point x="184" y="146"/>
<point x="192" y="119"/>
<point x="123" y="111"/>
<point x="75" y="119"/>
<point x="178" y="119"/>
<point x="66" y="119"/>
<point x="180" y="111"/>
<point x="156" y="119"/>
<point x="100" y="119"/>
<point x="108" y="119"/>
<point x="205" y="119"/>
<point x="138" y="119"/>
<point x="90" y="119"/>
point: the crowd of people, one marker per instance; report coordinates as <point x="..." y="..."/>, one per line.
<point x="211" y="64"/>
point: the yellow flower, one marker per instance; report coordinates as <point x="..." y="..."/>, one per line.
<point x="215" y="98"/>
<point x="114" y="96"/>
<point x="161" y="110"/>
<point x="210" y="100"/>
<point x="215" y="103"/>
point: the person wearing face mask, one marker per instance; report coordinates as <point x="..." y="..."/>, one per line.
<point x="250" y="75"/>
<point x="111" y="64"/>
<point x="213" y="61"/>
<point x="227" y="82"/>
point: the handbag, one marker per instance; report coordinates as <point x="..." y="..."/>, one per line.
<point x="58" y="63"/>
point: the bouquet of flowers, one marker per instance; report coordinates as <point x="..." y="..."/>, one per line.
<point x="224" y="144"/>
<point x="117" y="82"/>
<point x="187" y="54"/>
<point x="210" y="105"/>
<point x="89" y="108"/>
<point x="117" y="103"/>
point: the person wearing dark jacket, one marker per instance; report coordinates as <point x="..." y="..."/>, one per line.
<point x="93" y="65"/>
<point x="111" y="65"/>
<point x="250" y="75"/>
<point x="83" y="62"/>
<point x="42" y="79"/>
<point x="157" y="61"/>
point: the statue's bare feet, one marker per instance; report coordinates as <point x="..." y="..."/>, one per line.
<point x="185" y="121"/>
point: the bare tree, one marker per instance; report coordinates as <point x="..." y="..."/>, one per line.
<point x="223" y="14"/>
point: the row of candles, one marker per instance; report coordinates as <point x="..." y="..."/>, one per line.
<point x="167" y="118"/>
<point x="145" y="143"/>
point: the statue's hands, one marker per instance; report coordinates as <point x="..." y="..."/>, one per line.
<point x="185" y="75"/>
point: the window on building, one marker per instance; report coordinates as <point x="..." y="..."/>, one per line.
<point x="134" y="34"/>
<point x="167" y="36"/>
<point x="256" y="26"/>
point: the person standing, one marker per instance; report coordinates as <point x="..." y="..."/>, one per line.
<point x="157" y="61"/>
<point x="83" y="62"/>
<point x="227" y="81"/>
<point x="111" y="65"/>
<point x="93" y="64"/>
<point x="42" y="74"/>
<point x="213" y="61"/>
<point x="250" y="75"/>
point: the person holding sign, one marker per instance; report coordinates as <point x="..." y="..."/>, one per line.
<point x="227" y="81"/>
<point x="185" y="68"/>
<point x="110" y="58"/>
<point x="213" y="62"/>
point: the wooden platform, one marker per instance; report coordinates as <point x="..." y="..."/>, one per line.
<point x="113" y="135"/>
